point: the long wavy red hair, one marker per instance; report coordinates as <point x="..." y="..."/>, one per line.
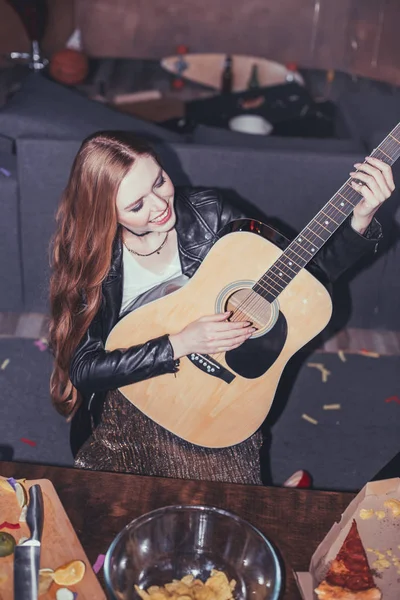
<point x="81" y="248"/>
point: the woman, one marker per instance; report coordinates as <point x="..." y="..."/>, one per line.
<point x="122" y="230"/>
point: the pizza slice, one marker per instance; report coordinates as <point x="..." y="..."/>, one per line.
<point x="349" y="576"/>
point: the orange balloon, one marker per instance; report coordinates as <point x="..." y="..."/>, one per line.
<point x="69" y="66"/>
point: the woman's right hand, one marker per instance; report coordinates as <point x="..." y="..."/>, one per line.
<point x="210" y="335"/>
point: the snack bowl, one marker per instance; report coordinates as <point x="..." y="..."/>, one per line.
<point x="172" y="542"/>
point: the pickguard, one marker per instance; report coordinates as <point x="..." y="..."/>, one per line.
<point x="255" y="356"/>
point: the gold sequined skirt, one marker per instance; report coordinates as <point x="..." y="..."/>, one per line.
<point x="127" y="441"/>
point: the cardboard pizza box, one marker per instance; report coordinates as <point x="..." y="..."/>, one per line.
<point x="376" y="509"/>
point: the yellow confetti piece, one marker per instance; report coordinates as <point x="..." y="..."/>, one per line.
<point x="332" y="407"/>
<point x="342" y="356"/>
<point x="309" y="419"/>
<point x="369" y="354"/>
<point x="4" y="364"/>
<point x="324" y="372"/>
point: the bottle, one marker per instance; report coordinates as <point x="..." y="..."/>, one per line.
<point x="291" y="72"/>
<point x="253" y="80"/>
<point x="181" y="66"/>
<point x="227" y="76"/>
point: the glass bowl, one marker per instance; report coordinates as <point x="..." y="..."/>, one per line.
<point x="171" y="542"/>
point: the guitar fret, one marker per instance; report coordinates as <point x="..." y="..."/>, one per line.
<point x="267" y="294"/>
<point x="314" y="232"/>
<point x="329" y="217"/>
<point x="280" y="273"/>
<point x="323" y="226"/>
<point x="291" y="250"/>
<point x="342" y="203"/>
<point x="313" y="247"/>
<point x="288" y="266"/>
<point x="354" y="197"/>
<point x="304" y="247"/>
<point x="271" y="282"/>
<point x="268" y="283"/>
<point x="279" y="276"/>
<point x="380" y="150"/>
<point x="284" y="279"/>
<point x="290" y="263"/>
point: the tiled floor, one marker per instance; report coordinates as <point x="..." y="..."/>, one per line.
<point x="35" y="326"/>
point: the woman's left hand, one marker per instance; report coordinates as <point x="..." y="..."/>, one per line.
<point x="378" y="185"/>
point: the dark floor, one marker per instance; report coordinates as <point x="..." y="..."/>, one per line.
<point x="342" y="451"/>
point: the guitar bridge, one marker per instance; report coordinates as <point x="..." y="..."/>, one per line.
<point x="210" y="366"/>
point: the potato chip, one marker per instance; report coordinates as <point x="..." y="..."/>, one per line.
<point x="217" y="587"/>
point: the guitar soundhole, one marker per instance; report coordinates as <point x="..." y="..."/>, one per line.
<point x="247" y="305"/>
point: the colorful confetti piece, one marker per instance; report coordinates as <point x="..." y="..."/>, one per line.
<point x="332" y="407"/>
<point x="324" y="372"/>
<point x="309" y="419"/>
<point x="342" y="356"/>
<point x="365" y="352"/>
<point x="5" y="172"/>
<point x="393" y="399"/>
<point x="99" y="563"/>
<point x="42" y="344"/>
<point x="29" y="442"/>
<point x="4" y="364"/>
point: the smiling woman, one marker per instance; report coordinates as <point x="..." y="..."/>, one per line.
<point x="122" y="232"/>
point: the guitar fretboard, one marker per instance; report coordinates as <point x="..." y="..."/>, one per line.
<point x="318" y="231"/>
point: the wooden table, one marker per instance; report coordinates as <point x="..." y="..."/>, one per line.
<point x="100" y="504"/>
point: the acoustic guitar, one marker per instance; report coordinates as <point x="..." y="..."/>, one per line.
<point x="220" y="400"/>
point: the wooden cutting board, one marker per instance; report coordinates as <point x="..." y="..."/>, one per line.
<point x="60" y="544"/>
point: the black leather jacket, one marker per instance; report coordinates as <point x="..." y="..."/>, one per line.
<point x="201" y="214"/>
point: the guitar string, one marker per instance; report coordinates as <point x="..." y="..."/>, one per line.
<point x="254" y="300"/>
<point x="353" y="195"/>
<point x="312" y="233"/>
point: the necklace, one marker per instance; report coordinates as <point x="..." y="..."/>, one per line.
<point x="150" y="253"/>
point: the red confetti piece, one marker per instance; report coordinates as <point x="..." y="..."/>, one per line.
<point x="7" y="525"/>
<point x="366" y="352"/>
<point x="300" y="479"/>
<point x="393" y="399"/>
<point x="29" y="442"/>
<point x="99" y="563"/>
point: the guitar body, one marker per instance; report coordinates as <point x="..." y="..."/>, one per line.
<point x="221" y="400"/>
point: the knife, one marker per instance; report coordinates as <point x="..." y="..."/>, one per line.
<point x="27" y="555"/>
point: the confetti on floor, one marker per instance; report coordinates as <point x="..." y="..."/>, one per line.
<point x="342" y="356"/>
<point x="29" y="442"/>
<point x="42" y="344"/>
<point x="309" y="419"/>
<point x="365" y="352"/>
<point x="99" y="563"/>
<point x="393" y="399"/>
<point x="331" y="407"/>
<point x="4" y="364"/>
<point x="324" y="372"/>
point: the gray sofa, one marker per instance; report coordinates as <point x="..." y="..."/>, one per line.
<point x="284" y="186"/>
<point x="287" y="184"/>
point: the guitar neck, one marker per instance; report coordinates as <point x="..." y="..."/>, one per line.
<point x="318" y="231"/>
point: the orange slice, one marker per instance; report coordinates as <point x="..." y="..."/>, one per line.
<point x="70" y="573"/>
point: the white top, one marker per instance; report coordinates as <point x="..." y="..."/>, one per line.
<point x="137" y="280"/>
